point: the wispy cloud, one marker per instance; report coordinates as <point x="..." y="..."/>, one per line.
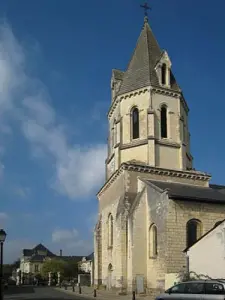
<point x="22" y="192"/>
<point x="60" y="235"/>
<point x="71" y="241"/>
<point x="78" y="170"/>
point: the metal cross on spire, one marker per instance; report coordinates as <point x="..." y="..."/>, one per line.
<point x="146" y="8"/>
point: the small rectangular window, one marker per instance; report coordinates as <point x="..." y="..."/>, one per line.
<point x="36" y="268"/>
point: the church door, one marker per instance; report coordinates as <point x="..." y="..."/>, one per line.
<point x="140" y="284"/>
<point x="109" y="276"/>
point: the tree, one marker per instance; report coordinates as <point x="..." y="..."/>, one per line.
<point x="54" y="266"/>
<point x="71" y="268"/>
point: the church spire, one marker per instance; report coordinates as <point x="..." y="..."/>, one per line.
<point x="141" y="71"/>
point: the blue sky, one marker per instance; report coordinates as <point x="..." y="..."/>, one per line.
<point x="56" y="59"/>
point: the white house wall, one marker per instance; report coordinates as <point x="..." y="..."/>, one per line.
<point x="207" y="256"/>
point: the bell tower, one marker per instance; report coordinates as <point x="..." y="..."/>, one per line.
<point x="148" y="116"/>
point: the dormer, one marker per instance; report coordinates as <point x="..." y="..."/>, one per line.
<point x="116" y="80"/>
<point x="163" y="70"/>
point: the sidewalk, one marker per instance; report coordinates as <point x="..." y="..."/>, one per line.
<point x="88" y="292"/>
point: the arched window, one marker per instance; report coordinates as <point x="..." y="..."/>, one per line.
<point x="112" y="137"/>
<point x="218" y="223"/>
<point x="153" y="245"/>
<point x="194" y="231"/>
<point x="115" y="133"/>
<point x="163" y="73"/>
<point x="163" y="122"/>
<point x="110" y="230"/>
<point x="135" y="123"/>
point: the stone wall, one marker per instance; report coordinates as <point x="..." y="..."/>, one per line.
<point x="179" y="213"/>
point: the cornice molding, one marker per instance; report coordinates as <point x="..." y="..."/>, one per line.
<point x="128" y="95"/>
<point x="194" y="175"/>
<point x="167" y="92"/>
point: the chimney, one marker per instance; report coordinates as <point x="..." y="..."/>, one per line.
<point x="60" y="252"/>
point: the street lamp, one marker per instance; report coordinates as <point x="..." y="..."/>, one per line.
<point x="2" y="239"/>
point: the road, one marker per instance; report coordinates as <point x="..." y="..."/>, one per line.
<point x="42" y="293"/>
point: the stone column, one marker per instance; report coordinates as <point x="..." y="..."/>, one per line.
<point x="18" y="277"/>
<point x="58" y="278"/>
<point x="50" y="278"/>
<point x="124" y="245"/>
<point x="98" y="254"/>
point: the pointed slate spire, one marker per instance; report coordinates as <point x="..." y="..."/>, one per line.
<point x="141" y="68"/>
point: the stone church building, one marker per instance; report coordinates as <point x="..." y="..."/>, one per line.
<point x="153" y="203"/>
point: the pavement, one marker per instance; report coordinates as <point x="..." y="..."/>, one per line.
<point x="88" y="293"/>
<point x="45" y="293"/>
<point x="40" y="293"/>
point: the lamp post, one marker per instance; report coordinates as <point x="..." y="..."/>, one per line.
<point x="2" y="239"/>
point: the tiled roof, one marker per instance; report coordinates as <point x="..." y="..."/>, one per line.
<point x="27" y="252"/>
<point x="34" y="251"/>
<point x="69" y="258"/>
<point x="141" y="69"/>
<point x="179" y="191"/>
<point x="90" y="256"/>
<point x="37" y="258"/>
<point x="118" y="74"/>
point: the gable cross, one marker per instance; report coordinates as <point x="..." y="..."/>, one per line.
<point x="146" y="8"/>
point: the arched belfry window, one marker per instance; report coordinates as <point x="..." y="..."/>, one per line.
<point x="135" y="123"/>
<point x="152" y="239"/>
<point x="110" y="230"/>
<point x="163" y="120"/>
<point x="163" y="73"/>
<point x="194" y="231"/>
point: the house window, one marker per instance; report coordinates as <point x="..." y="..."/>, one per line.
<point x="36" y="268"/>
<point x="110" y="230"/>
<point x="163" y="74"/>
<point x="153" y="244"/>
<point x="135" y="123"/>
<point x="194" y="231"/>
<point x="163" y="122"/>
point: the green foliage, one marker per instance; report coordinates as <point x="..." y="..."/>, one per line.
<point x="71" y="269"/>
<point x="54" y="266"/>
<point x="67" y="269"/>
<point x="191" y="276"/>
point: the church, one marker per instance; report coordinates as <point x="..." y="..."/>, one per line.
<point x="153" y="204"/>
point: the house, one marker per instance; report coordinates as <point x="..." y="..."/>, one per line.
<point x="206" y="257"/>
<point x="32" y="259"/>
<point x="85" y="265"/>
<point x="153" y="202"/>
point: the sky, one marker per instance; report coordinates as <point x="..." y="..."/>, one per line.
<point x="56" y="59"/>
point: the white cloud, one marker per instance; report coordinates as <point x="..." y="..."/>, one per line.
<point x="60" y="235"/>
<point x="78" y="170"/>
<point x="71" y="241"/>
